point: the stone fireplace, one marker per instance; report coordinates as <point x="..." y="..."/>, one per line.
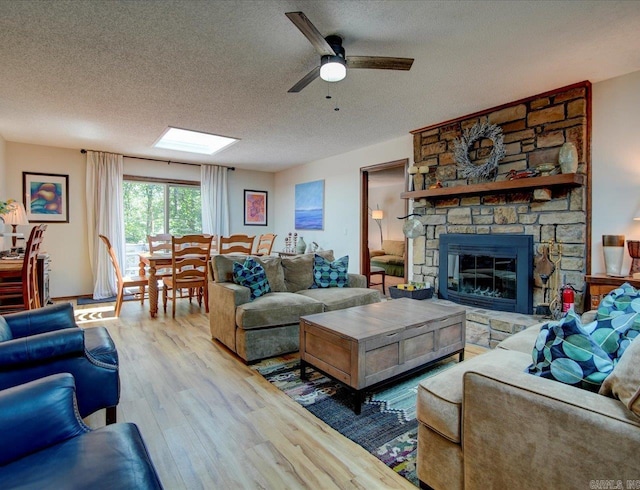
<point x="487" y="271"/>
<point x="543" y="209"/>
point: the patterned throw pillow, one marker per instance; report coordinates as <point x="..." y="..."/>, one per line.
<point x="619" y="317"/>
<point x="565" y="352"/>
<point x="252" y="275"/>
<point x="327" y="274"/>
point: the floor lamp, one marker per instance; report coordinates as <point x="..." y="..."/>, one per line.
<point x="14" y="216"/>
<point x="378" y="215"/>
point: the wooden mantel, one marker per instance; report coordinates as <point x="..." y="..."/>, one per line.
<point x="503" y="186"/>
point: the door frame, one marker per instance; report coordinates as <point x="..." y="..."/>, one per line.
<point x="364" y="212"/>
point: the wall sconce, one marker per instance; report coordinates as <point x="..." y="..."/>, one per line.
<point x="14" y="216"/>
<point x="378" y="216"/>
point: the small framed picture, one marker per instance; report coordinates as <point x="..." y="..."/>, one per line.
<point x="46" y="197"/>
<point x="255" y="208"/>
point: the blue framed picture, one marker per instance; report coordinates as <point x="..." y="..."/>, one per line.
<point x="309" y="212"/>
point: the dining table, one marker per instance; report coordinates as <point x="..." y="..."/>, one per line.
<point x="153" y="262"/>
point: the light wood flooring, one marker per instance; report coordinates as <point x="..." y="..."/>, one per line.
<point x="209" y="421"/>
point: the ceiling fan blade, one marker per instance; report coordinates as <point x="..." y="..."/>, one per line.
<point x="306" y="80"/>
<point x="303" y="23"/>
<point x="379" y="62"/>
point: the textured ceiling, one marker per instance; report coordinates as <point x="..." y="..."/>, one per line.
<point x="110" y="75"/>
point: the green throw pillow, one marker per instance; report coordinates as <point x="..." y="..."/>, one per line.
<point x="327" y="274"/>
<point x="565" y="352"/>
<point x="252" y="275"/>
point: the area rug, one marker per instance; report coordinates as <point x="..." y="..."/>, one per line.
<point x="91" y="301"/>
<point x="386" y="427"/>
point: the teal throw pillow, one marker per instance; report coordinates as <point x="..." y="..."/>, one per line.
<point x="252" y="275"/>
<point x="564" y="351"/>
<point x="327" y="274"/>
<point x="618" y="311"/>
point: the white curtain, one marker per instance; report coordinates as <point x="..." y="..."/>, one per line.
<point x="215" y="200"/>
<point x="105" y="216"/>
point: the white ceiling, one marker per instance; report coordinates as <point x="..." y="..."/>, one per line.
<point x="110" y="75"/>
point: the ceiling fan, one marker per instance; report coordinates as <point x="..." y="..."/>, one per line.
<point x="333" y="63"/>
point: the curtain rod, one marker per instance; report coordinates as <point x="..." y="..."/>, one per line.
<point x="165" y="161"/>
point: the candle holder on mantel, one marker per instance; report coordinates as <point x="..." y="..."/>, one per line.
<point x="634" y="251"/>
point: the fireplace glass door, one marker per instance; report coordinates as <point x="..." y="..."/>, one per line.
<point x="482" y="275"/>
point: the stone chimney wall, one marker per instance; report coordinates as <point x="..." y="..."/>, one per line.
<point x="534" y="130"/>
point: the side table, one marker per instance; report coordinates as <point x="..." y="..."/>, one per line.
<point x="601" y="284"/>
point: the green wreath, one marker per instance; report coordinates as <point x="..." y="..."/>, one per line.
<point x="479" y="130"/>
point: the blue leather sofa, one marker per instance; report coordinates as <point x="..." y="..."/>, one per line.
<point x="45" y="341"/>
<point x="46" y="445"/>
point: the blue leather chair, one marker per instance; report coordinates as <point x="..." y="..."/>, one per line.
<point x="45" y="341"/>
<point x="46" y="445"/>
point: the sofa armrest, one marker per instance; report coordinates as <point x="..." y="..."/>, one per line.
<point x="41" y="348"/>
<point x="41" y="320"/>
<point x="357" y="280"/>
<point x="37" y="415"/>
<point x="224" y="298"/>
<point x="514" y="421"/>
<point x="376" y="253"/>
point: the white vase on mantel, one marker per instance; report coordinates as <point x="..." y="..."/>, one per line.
<point x="568" y="158"/>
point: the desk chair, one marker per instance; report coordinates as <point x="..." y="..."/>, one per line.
<point x="242" y="244"/>
<point x="190" y="256"/>
<point x="23" y="294"/>
<point x="265" y="243"/>
<point x="124" y="281"/>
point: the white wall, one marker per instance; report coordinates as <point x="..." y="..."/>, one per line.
<point x="67" y="242"/>
<point x="341" y="174"/>
<point x="616" y="163"/>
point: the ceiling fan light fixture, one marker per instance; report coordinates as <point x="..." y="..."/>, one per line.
<point x="332" y="68"/>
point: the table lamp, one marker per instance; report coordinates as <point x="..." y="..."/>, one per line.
<point x="14" y="216"/>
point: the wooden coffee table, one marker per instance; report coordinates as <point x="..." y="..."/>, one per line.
<point x="367" y="346"/>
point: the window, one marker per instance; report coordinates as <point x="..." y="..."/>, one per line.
<point x="152" y="207"/>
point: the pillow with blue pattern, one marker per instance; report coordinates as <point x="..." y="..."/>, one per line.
<point x="327" y="274"/>
<point x="619" y="311"/>
<point x="252" y="275"/>
<point x="564" y="351"/>
<point x="5" y="331"/>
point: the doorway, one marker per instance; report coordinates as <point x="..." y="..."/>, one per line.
<point x="380" y="206"/>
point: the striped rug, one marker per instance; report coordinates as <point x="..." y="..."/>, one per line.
<point x="386" y="427"/>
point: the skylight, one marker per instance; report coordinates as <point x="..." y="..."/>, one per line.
<point x="193" y="141"/>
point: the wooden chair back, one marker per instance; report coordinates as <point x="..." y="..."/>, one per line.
<point x="114" y="259"/>
<point x="242" y="244"/>
<point x="159" y="243"/>
<point x="265" y="243"/>
<point x="24" y="294"/>
<point x="190" y="257"/>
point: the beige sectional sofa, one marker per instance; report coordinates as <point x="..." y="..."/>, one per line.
<point x="269" y="325"/>
<point x="486" y="423"/>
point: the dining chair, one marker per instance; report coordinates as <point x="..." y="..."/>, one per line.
<point x="190" y="255"/>
<point x="160" y="243"/>
<point x="265" y="243"/>
<point x="124" y="281"/>
<point x="242" y="244"/>
<point x="23" y="293"/>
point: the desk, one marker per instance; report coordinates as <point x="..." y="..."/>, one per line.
<point x="154" y="262"/>
<point x="601" y="284"/>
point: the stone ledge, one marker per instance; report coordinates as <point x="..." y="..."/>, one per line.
<point x="487" y="327"/>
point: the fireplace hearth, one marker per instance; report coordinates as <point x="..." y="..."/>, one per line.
<point x="487" y="271"/>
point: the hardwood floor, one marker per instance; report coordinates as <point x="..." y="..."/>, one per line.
<point x="209" y="421"/>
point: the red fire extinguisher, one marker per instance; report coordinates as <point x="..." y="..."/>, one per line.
<point x="568" y="294"/>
